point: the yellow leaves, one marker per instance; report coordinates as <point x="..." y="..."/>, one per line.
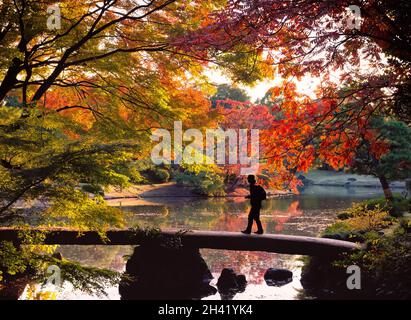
<point x="367" y="219"/>
<point x="375" y="242"/>
<point x="35" y="293"/>
<point x="84" y="212"/>
<point x="7" y="181"/>
<point x="8" y="115"/>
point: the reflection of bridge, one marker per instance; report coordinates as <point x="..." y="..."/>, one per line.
<point x="223" y="240"/>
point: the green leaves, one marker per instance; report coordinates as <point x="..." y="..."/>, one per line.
<point x="395" y="163"/>
<point x="205" y="179"/>
<point x="11" y="260"/>
<point x="45" y="159"/>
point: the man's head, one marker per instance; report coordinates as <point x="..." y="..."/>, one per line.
<point x="251" y="179"/>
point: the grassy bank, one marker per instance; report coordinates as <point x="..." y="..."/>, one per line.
<point x="385" y="263"/>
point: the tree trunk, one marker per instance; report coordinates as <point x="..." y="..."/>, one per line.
<point x="10" y="79"/>
<point x="386" y="188"/>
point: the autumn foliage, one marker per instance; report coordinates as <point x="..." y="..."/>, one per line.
<point x="79" y="103"/>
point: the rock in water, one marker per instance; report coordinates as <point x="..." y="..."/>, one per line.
<point x="278" y="277"/>
<point x="227" y="280"/>
<point x="242" y="282"/>
<point x="159" y="272"/>
<point x="229" y="283"/>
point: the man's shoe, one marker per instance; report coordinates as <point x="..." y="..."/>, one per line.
<point x="246" y="232"/>
<point x="259" y="232"/>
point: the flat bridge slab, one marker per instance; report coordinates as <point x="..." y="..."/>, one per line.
<point x="223" y="240"/>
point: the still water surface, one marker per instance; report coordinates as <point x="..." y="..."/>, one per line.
<point x="306" y="214"/>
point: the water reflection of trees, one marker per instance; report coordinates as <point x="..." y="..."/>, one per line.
<point x="251" y="264"/>
<point x="214" y="215"/>
<point x="108" y="257"/>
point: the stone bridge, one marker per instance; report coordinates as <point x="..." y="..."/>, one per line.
<point x="220" y="240"/>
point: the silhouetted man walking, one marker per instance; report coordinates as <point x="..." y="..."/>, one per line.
<point x="257" y="194"/>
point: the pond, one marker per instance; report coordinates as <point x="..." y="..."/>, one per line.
<point x="306" y="214"/>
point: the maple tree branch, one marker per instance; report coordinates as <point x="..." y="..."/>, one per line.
<point x="63" y="64"/>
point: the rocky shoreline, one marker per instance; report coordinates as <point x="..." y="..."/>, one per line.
<point x="341" y="179"/>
